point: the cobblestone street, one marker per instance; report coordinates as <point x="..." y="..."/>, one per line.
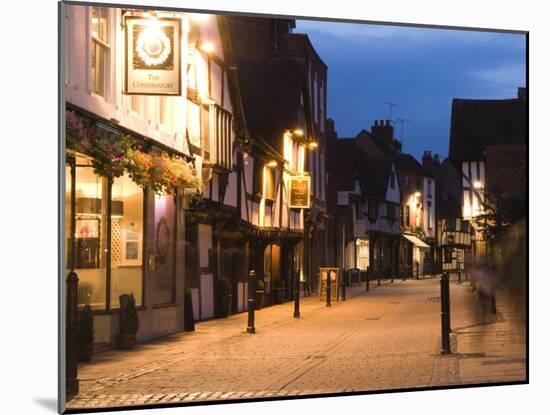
<point x="383" y="339"/>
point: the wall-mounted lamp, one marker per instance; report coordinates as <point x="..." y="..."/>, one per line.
<point x="298" y="132"/>
<point x="207" y="47"/>
<point x="272" y="164"/>
<point x="478" y="185"/>
<point x="312" y="145"/>
<point x="417" y="194"/>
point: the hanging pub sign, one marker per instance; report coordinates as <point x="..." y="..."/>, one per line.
<point x="153" y="56"/>
<point x="299" y="192"/>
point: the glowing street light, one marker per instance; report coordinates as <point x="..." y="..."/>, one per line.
<point x="207" y="47"/>
<point x="312" y="145"/>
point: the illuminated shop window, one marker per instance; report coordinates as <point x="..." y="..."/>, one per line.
<point x="269" y="189"/>
<point x="67" y="217"/>
<point x="362" y="254"/>
<point x="162" y="260"/>
<point x="90" y="235"/>
<point x="126" y="240"/>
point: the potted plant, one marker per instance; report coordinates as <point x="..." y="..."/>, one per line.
<point x="129" y="322"/>
<point x="278" y="288"/>
<point x="225" y="297"/>
<point x="85" y="334"/>
<point x="260" y="290"/>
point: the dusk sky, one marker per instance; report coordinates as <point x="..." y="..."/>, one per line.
<point x="419" y="69"/>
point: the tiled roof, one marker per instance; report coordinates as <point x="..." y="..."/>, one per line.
<point x="374" y="176"/>
<point x="407" y="163"/>
<point x="270" y="89"/>
<point x="478" y="123"/>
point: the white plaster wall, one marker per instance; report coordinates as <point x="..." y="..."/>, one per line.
<point x="115" y="106"/>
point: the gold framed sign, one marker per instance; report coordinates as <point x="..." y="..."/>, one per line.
<point x="299" y="192"/>
<point x="152" y="56"/>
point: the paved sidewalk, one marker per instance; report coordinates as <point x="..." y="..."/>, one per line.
<point x="386" y="338"/>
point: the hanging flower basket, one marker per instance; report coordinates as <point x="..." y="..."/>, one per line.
<point x="112" y="155"/>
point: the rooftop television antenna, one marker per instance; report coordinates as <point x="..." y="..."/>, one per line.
<point x="402" y="121"/>
<point x="391" y="105"/>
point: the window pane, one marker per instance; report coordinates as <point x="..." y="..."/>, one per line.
<point x="126" y="240"/>
<point x="163" y="245"/>
<point x="91" y="226"/>
<point x="362" y="255"/>
<point x="205" y="130"/>
<point x="194" y="123"/>
<point x="99" y="23"/>
<point x="99" y="58"/>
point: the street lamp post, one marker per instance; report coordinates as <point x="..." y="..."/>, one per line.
<point x="311" y="145"/>
<point x="445" y="314"/>
<point x="251" y="301"/>
<point x="297" y="294"/>
<point x="344" y="284"/>
<point x="328" y="290"/>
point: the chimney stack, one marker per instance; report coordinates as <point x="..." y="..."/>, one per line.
<point x="430" y="163"/>
<point x="331" y="133"/>
<point x="384" y="130"/>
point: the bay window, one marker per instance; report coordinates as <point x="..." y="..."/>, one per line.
<point x="223" y="137"/>
<point x="108" y="242"/>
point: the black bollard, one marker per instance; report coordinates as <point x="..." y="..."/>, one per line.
<point x="251" y="301"/>
<point x="71" y="352"/>
<point x="417" y="270"/>
<point x="493" y="307"/>
<point x="344" y="285"/>
<point x="297" y="295"/>
<point x="445" y="315"/>
<point x="328" y="289"/>
<point x="459" y="277"/>
<point x="367" y="277"/>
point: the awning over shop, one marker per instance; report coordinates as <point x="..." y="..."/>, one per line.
<point x="416" y="241"/>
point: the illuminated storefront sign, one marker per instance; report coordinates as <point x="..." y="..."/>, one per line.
<point x="299" y="192"/>
<point x="153" y="56"/>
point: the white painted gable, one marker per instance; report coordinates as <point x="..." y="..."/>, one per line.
<point x="393" y="195"/>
